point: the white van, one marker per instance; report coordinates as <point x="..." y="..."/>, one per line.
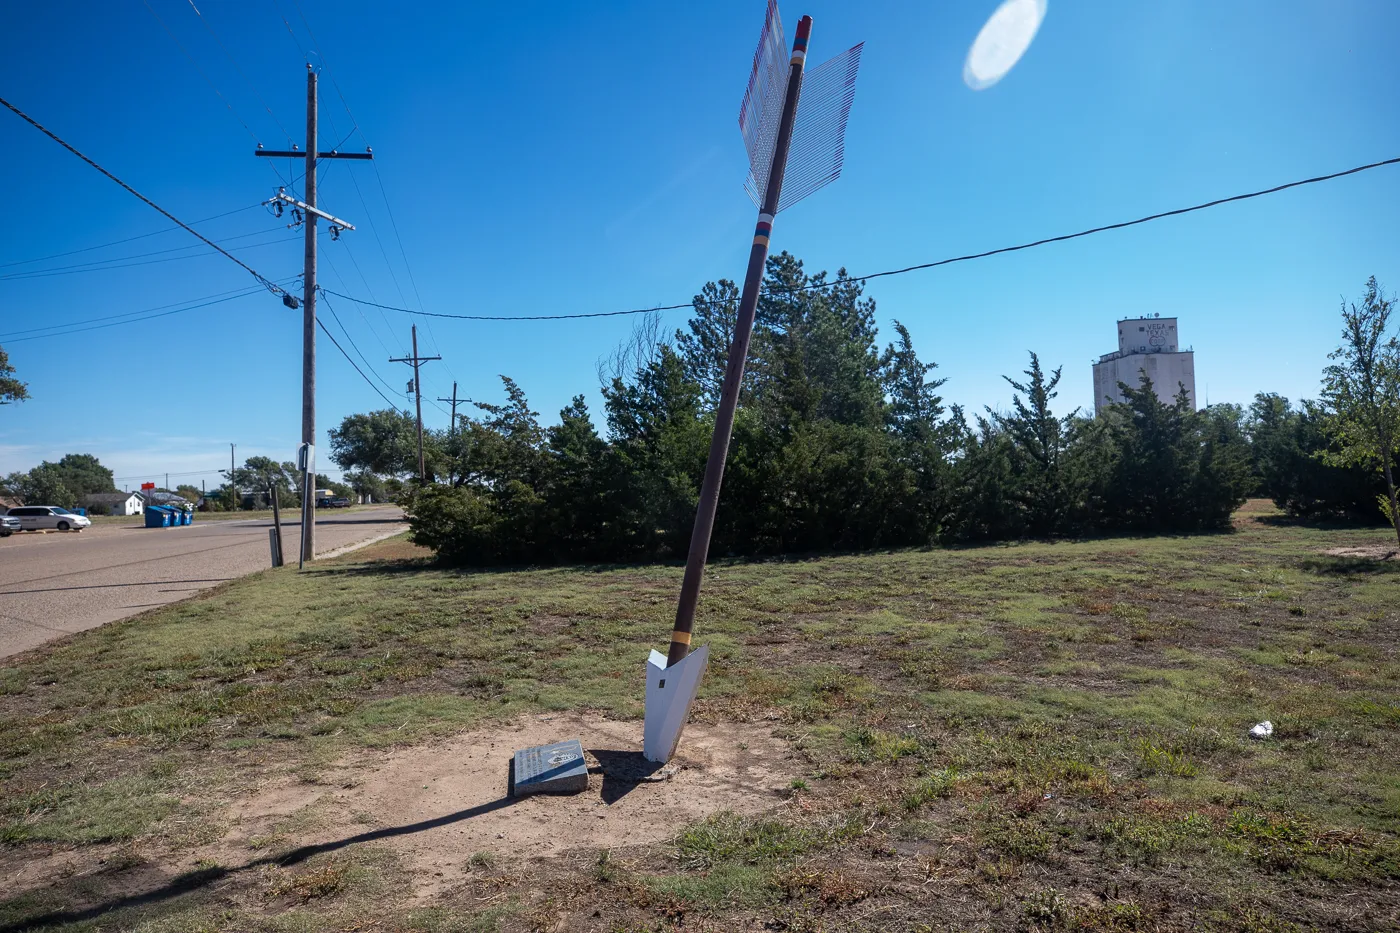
<point x="41" y="517"/>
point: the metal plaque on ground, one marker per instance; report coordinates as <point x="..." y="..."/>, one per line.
<point x="559" y="768"/>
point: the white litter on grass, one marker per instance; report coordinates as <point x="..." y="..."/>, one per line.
<point x="1002" y="42"/>
<point x="1262" y="730"/>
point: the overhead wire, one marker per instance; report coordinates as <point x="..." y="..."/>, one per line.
<point x="142" y="236"/>
<point x="110" y="317"/>
<point x="325" y="330"/>
<point x="250" y="290"/>
<point x="330" y="307"/>
<point x="268" y="284"/>
<point x="107" y="264"/>
<point x="209" y="81"/>
<point x="359" y="308"/>
<point x="241" y="74"/>
<point x="914" y="268"/>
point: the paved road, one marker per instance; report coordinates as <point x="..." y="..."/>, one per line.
<point x="55" y="584"/>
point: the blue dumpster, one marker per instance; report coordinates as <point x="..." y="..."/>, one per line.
<point x="186" y="517"/>
<point x="157" y="517"/>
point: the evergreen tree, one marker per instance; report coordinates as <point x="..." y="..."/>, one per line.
<point x="1038" y="442"/>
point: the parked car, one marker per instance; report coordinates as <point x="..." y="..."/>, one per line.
<point x="8" y="526"/>
<point x="340" y="502"/>
<point x="40" y="517"/>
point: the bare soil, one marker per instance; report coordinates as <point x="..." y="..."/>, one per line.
<point x="441" y="804"/>
<point x="1373" y="552"/>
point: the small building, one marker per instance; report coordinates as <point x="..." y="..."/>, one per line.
<point x="10" y="502"/>
<point x="112" y="503"/>
<point x="1146" y="346"/>
<point x="155" y="497"/>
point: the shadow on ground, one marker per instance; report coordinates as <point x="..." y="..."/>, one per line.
<point x="200" y="879"/>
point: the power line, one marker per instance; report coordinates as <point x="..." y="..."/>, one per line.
<point x="106" y="264"/>
<point x="210" y="82"/>
<point x="234" y="62"/>
<point x="253" y="290"/>
<point x="266" y="283"/>
<point x="322" y="324"/>
<point x="925" y="265"/>
<point x="110" y="317"/>
<point x="88" y="249"/>
<point x="354" y="346"/>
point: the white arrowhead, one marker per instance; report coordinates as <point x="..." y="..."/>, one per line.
<point x="670" y="691"/>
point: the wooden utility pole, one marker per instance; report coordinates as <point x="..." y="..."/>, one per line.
<point x="738" y="352"/>
<point x="308" y="300"/>
<point x="418" y="397"/>
<point x="232" y="490"/>
<point x="452" y="426"/>
<point x="308" y="327"/>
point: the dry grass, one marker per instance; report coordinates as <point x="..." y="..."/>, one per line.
<point x="1026" y="737"/>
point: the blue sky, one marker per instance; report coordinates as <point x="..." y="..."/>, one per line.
<point x="544" y="158"/>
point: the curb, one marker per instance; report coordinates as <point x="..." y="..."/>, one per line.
<point x="346" y="549"/>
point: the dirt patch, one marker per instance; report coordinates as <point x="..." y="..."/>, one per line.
<point x="1371" y="552"/>
<point x="439" y="805"/>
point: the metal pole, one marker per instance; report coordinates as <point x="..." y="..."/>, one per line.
<point x="418" y="401"/>
<point x="738" y="352"/>
<point x="308" y="330"/>
<point x="232" y="491"/>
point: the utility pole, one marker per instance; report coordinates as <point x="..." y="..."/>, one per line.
<point x="451" y="427"/>
<point x="306" y="212"/>
<point x="232" y="491"/>
<point x="418" y="397"/>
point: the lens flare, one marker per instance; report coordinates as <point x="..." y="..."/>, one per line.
<point x="1002" y="42"/>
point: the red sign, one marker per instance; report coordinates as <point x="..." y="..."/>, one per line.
<point x="148" y="485"/>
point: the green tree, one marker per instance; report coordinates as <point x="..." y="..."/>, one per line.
<point x="84" y="474"/>
<point x="924" y="436"/>
<point x="384" y="442"/>
<point x="1361" y="392"/>
<point x="11" y="389"/>
<point x="1174" y="469"/>
<point x="258" y="475"/>
<point x="704" y="345"/>
<point x="1039" y="439"/>
<point x="43" y="485"/>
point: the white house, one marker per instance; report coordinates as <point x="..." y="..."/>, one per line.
<point x="113" y="503"/>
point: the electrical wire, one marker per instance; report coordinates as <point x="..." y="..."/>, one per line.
<point x="234" y="63"/>
<point x="207" y="80"/>
<point x="330" y="307"/>
<point x="142" y="236"/>
<point x="252" y="290"/>
<point x="106" y="264"/>
<point x="111" y="317"/>
<point x="915" y="268"/>
<point x="266" y="283"/>
<point x="322" y="324"/>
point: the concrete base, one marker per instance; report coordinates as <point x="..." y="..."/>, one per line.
<point x="670" y="691"/>
<point x="557" y="768"/>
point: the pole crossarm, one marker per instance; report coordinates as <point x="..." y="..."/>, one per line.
<point x="336" y="221"/>
<point x="300" y="154"/>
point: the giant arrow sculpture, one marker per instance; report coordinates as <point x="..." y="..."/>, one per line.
<point x="775" y="136"/>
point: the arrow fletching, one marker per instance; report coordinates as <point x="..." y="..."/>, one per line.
<point x="818" y="146"/>
<point x="763" y="99"/>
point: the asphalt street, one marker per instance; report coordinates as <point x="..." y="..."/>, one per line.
<point x="55" y="584"/>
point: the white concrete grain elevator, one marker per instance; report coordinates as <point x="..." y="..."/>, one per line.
<point x="1148" y="346"/>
